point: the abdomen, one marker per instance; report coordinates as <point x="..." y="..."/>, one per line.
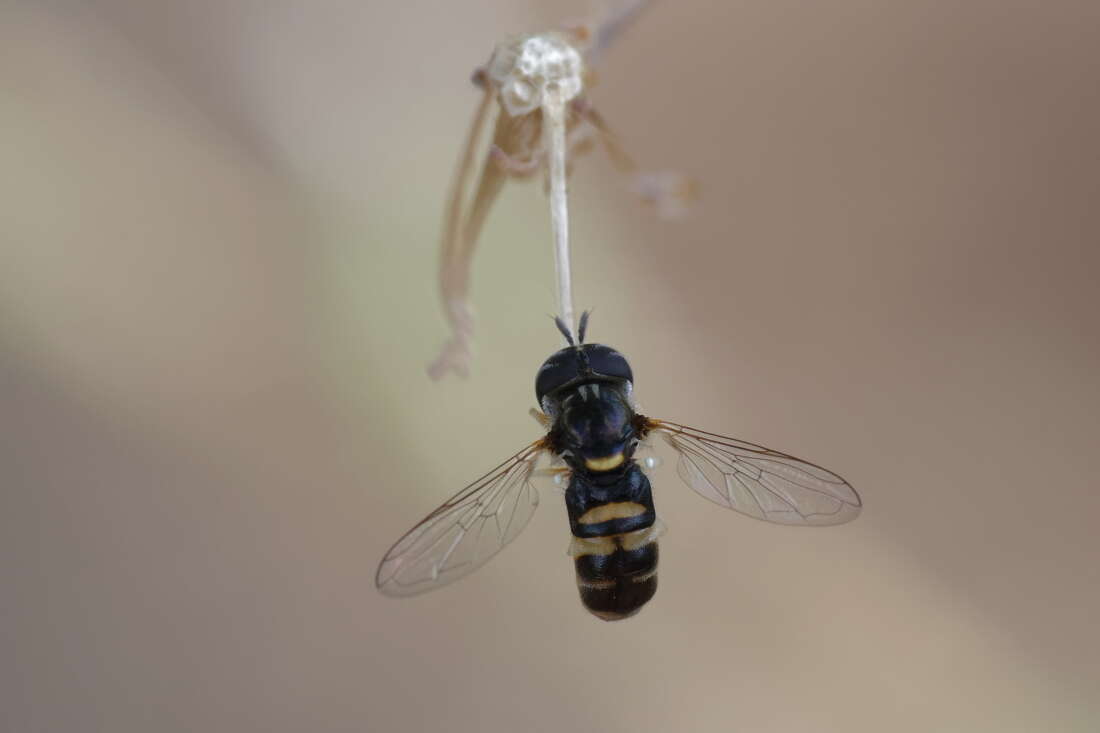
<point x="614" y="543"/>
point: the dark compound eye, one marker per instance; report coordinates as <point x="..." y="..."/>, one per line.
<point x="579" y="363"/>
<point x="607" y="362"/>
<point x="561" y="368"/>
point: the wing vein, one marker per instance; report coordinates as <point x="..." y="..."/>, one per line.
<point x="451" y="541"/>
<point x="770" y="485"/>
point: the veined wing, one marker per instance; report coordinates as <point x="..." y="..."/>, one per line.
<point x="758" y="481"/>
<point x="467" y="530"/>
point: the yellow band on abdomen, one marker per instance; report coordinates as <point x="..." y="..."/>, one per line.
<point x="611" y="510"/>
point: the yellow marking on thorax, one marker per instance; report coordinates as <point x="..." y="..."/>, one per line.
<point x="613" y="510"/>
<point x="604" y="464"/>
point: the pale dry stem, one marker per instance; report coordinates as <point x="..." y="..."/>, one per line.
<point x="553" y="111"/>
<point x="455" y="254"/>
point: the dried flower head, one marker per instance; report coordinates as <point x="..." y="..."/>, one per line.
<point x="527" y="68"/>
<point x="529" y="77"/>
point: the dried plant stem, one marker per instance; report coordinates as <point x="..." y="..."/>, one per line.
<point x="456" y="253"/>
<point x="553" y="113"/>
<point x="455" y="247"/>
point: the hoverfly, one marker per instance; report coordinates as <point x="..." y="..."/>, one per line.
<point x="585" y="391"/>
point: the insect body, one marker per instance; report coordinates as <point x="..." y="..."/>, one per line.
<point x="585" y="391"/>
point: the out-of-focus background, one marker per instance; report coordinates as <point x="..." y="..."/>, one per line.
<point x="218" y="245"/>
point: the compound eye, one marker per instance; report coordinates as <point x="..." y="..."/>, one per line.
<point x="609" y="362"/>
<point x="559" y="369"/>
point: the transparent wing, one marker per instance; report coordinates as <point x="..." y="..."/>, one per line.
<point x="758" y="481"/>
<point x="467" y="530"/>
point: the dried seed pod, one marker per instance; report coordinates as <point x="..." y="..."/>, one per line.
<point x="521" y="75"/>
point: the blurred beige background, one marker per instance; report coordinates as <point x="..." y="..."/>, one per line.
<point x="217" y="300"/>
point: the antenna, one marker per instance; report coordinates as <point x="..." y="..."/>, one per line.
<point x="565" y="330"/>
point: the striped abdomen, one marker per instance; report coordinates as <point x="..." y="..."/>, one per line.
<point x="614" y="542"/>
